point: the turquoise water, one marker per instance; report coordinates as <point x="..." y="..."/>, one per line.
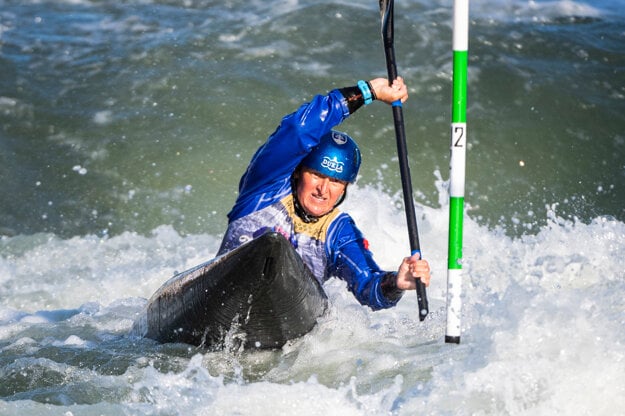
<point x="125" y="128"/>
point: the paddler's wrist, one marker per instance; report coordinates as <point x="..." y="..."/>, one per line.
<point x="389" y="287"/>
<point x="360" y="94"/>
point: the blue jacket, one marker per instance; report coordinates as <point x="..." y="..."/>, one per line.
<point x="332" y="246"/>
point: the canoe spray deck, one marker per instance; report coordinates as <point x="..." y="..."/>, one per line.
<point x="262" y="290"/>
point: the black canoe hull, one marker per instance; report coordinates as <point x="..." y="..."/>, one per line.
<point x="262" y="291"/>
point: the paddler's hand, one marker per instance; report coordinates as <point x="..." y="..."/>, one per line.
<point x="389" y="93"/>
<point x="413" y="268"/>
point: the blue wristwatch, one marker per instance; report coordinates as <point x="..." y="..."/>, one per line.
<point x="366" y="92"/>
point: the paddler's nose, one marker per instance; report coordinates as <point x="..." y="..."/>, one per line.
<point x="322" y="185"/>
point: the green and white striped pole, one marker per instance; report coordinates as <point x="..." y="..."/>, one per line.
<point x="457" y="168"/>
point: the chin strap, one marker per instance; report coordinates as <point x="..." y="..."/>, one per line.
<point x="299" y="209"/>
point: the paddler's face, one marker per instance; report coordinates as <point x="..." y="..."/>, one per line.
<point x="318" y="193"/>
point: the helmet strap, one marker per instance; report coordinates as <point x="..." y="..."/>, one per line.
<point x="299" y="209"/>
<point x="342" y="198"/>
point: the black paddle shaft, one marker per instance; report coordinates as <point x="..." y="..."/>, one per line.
<point x="386" y="9"/>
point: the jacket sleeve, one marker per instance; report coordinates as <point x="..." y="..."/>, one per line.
<point x="296" y="135"/>
<point x="267" y="176"/>
<point x="351" y="261"/>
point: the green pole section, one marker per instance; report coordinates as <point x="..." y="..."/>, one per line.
<point x="459" y="109"/>
<point x="456" y="208"/>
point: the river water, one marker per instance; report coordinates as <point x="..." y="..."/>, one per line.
<point x="124" y="129"/>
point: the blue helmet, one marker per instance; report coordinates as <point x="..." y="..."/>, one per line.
<point x="337" y="156"/>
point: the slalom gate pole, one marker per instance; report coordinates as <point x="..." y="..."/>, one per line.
<point x="457" y="168"/>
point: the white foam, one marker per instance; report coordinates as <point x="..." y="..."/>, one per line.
<point x="58" y="273"/>
<point x="194" y="388"/>
<point x="542" y="322"/>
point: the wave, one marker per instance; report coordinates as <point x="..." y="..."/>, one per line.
<point x="541" y="313"/>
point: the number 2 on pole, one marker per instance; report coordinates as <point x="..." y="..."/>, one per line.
<point x="459" y="136"/>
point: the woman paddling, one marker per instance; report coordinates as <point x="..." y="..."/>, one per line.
<point x="297" y="179"/>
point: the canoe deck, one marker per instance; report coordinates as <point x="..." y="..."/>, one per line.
<point x="262" y="291"/>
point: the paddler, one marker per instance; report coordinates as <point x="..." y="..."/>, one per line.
<point x="297" y="179"/>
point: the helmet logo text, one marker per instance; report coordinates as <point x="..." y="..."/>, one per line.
<point x="332" y="164"/>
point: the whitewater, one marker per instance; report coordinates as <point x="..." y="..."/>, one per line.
<point x="542" y="327"/>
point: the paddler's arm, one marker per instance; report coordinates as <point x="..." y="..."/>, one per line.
<point x="351" y="260"/>
<point x="374" y="287"/>
<point x="267" y="177"/>
<point x="411" y="268"/>
<point x="300" y="131"/>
